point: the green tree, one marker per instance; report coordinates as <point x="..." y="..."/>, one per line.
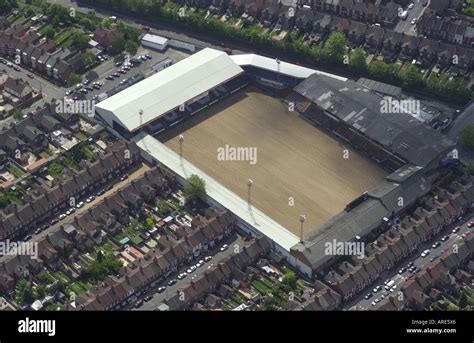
<point x="290" y="279"/>
<point x="118" y="44"/>
<point x="149" y="223"/>
<point x="79" y="40"/>
<point x="195" y="188"/>
<point x="357" y="60"/>
<point x="55" y="169"/>
<point x="49" y="32"/>
<point x="335" y="47"/>
<point x="107" y="23"/>
<point x="411" y="76"/>
<point x="463" y="300"/>
<point x="73" y="79"/>
<point x="131" y="47"/>
<point x="86" y="23"/>
<point x="18" y="114"/>
<point x="163" y="208"/>
<point x="466" y="136"/>
<point x="88" y="57"/>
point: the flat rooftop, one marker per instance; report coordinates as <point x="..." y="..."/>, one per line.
<point x="298" y="170"/>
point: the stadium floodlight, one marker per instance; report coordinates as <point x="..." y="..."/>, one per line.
<point x="249" y="185"/>
<point x="181" y="140"/>
<point x="302" y="220"/>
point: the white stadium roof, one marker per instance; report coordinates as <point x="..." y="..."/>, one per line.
<point x="285" y="68"/>
<point x="168" y="89"/>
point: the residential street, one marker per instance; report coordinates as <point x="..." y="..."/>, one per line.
<point x="170" y="291"/>
<point x="359" y="303"/>
<point x="406" y="26"/>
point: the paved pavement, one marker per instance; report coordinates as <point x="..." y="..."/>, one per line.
<point x="359" y="303"/>
<point x="406" y="26"/>
<point x="115" y="187"/>
<point x="465" y="118"/>
<point x="170" y="291"/>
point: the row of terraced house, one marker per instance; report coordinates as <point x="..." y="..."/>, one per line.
<point x="21" y="219"/>
<point x="158" y="263"/>
<point x="349" y="278"/>
<point x="41" y="55"/>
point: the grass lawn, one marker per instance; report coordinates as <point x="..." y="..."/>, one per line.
<point x="136" y="239"/>
<point x="261" y="287"/>
<point x="61" y="276"/>
<point x="62" y="38"/>
<point x="80" y="136"/>
<point x="16" y="171"/>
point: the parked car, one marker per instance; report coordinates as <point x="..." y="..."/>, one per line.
<point x="161" y="289"/>
<point x="456" y="229"/>
<point x="444" y="238"/>
<point x="425" y="253"/>
<point x="224" y="247"/>
<point x="172" y="282"/>
<point x="377" y="289"/>
<point x="466" y="234"/>
<point x="148" y="298"/>
<point x="402" y="270"/>
<point x="375" y="302"/>
<point x="436" y="245"/>
<point x="368" y="296"/>
<point x="139" y="303"/>
<point x="207" y="258"/>
<point x="62" y="216"/>
<point x="30" y="75"/>
<point x="27" y="238"/>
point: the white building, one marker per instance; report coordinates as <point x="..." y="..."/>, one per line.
<point x="154" y="42"/>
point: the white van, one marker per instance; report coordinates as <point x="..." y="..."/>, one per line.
<point x="389" y="285"/>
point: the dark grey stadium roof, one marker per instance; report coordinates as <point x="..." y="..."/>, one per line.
<point x="361" y="108"/>
<point x="368" y="215"/>
<point x="381" y="87"/>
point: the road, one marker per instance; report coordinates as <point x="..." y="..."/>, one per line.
<point x="359" y="303"/>
<point x="171" y="291"/>
<point x="48" y="89"/>
<point x="406" y="26"/>
<point x="116" y="185"/>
